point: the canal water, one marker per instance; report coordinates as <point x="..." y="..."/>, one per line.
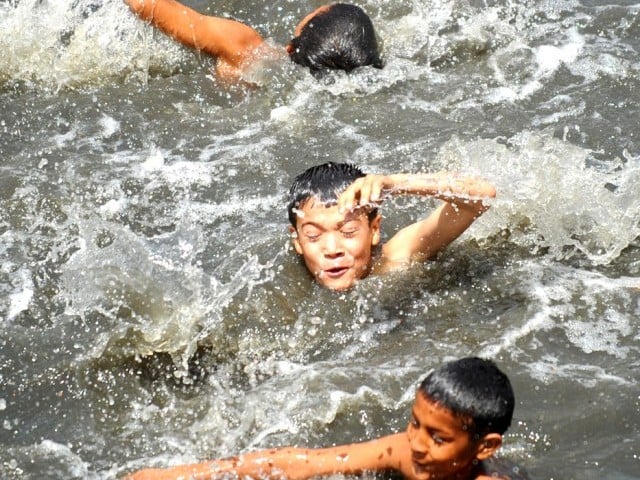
<point x="153" y="312"/>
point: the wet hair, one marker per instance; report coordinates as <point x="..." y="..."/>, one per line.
<point x="340" y="38"/>
<point x="324" y="182"/>
<point x="475" y="388"/>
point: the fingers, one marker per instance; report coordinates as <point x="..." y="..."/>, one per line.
<point x="364" y="191"/>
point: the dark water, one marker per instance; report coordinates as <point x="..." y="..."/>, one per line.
<point x="152" y="310"/>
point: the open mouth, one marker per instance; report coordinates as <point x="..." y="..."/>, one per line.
<point x="335" y="272"/>
<point x="420" y="468"/>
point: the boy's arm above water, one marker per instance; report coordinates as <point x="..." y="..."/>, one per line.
<point x="463" y="201"/>
<point x="231" y="42"/>
<point x="385" y="453"/>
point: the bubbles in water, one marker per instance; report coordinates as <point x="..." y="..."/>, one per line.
<point x="19" y="300"/>
<point x="71" y="42"/>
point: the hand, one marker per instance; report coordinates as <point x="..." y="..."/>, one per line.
<point x="365" y="191"/>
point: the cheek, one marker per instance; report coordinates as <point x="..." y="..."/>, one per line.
<point x="310" y="255"/>
<point x="452" y="454"/>
<point x="360" y="245"/>
<point x="411" y="434"/>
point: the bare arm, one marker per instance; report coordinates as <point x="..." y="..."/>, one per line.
<point x="295" y="463"/>
<point x="463" y="202"/>
<point x="231" y="42"/>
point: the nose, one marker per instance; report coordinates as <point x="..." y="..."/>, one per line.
<point x="332" y="246"/>
<point x="418" y="443"/>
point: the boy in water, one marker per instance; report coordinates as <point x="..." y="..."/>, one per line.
<point x="335" y="225"/>
<point x="338" y="36"/>
<point x="460" y="412"/>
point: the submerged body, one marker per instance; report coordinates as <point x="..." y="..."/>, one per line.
<point x="335" y="229"/>
<point x="338" y="36"/>
<point x="452" y="433"/>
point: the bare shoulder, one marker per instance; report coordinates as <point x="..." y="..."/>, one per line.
<point x="394" y="453"/>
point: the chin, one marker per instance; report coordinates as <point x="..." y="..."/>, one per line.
<point x="338" y="287"/>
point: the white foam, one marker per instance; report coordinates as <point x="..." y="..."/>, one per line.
<point x="68" y="42"/>
<point x="545" y="183"/>
<point x="597" y="324"/>
<point x="154" y="161"/>
<point x="19" y="300"/>
<point x="551" y="57"/>
<point x="548" y="369"/>
<point x="281" y="114"/>
<point x="109" y="125"/>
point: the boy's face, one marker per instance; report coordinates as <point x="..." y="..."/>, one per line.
<point x="441" y="443"/>
<point x="336" y="246"/>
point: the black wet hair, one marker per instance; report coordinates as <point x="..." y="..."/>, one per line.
<point x="475" y="388"/>
<point x="340" y="38"/>
<point x="325" y="183"/>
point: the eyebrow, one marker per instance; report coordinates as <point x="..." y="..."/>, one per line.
<point x="347" y="220"/>
<point x="349" y="217"/>
<point x="432" y="429"/>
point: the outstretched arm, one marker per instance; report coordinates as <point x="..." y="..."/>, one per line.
<point x="233" y="43"/>
<point x="463" y="202"/>
<point x="295" y="463"/>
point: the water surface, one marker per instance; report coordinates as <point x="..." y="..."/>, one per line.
<point x="153" y="312"/>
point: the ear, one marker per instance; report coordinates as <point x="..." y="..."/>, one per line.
<point x="294" y="239"/>
<point x="488" y="445"/>
<point x="375" y="230"/>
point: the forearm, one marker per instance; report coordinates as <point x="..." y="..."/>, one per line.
<point x="446" y="186"/>
<point x="171" y="17"/>
<point x="282" y="463"/>
<point x="285" y="463"/>
<point x="227" y="39"/>
<point x="145" y="9"/>
<point x="293" y="463"/>
<point x="467" y="193"/>
<point x="463" y="201"/>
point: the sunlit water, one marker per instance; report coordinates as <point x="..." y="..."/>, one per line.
<point x="153" y="312"/>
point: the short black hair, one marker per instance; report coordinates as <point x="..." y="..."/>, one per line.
<point x="324" y="182"/>
<point x="340" y="38"/>
<point x="475" y="388"/>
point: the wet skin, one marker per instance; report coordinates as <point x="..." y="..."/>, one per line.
<point x="441" y="446"/>
<point x="336" y="245"/>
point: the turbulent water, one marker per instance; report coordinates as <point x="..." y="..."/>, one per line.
<point x="152" y="310"/>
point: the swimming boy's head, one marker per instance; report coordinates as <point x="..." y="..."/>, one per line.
<point x="459" y="415"/>
<point x="335" y="37"/>
<point x="336" y="246"/>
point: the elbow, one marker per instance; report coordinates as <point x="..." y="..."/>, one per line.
<point x="483" y="205"/>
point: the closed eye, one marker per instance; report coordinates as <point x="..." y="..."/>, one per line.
<point x="437" y="438"/>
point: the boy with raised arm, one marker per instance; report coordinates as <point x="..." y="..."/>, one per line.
<point x="460" y="412"/>
<point x="335" y="224"/>
<point x="332" y="37"/>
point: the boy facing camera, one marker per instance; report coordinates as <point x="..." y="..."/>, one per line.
<point x="335" y="224"/>
<point x="460" y="413"/>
